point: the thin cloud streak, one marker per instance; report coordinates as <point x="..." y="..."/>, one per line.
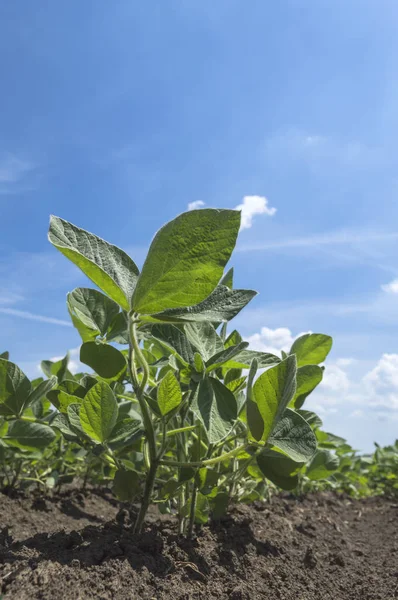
<point x="32" y="317"/>
<point x="329" y="239"/>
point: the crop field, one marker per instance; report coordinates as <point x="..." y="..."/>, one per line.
<point x="183" y="464"/>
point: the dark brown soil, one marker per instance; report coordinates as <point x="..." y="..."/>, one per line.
<point x="76" y="546"/>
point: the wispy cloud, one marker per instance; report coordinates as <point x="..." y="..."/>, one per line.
<point x="336" y="238"/>
<point x="22" y="314"/>
<point x="16" y="174"/>
<point x="7" y="297"/>
<point x="315" y="150"/>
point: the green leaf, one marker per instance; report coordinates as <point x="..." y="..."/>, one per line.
<point x="204" y="338"/>
<point x="294" y="436"/>
<point x="169" y="393"/>
<point x="225" y="356"/>
<point x="91" y="311"/>
<point x="118" y="330"/>
<point x="328" y="440"/>
<point x="175" y="341"/>
<point x="273" y="391"/>
<point x="61" y="423"/>
<point x="73" y="412"/>
<point x="15" y="389"/>
<point x="220" y="506"/>
<point x="245" y="357"/>
<point x="98" y="412"/>
<point x="308" y="377"/>
<point x="109" y="267"/>
<point x="253" y="415"/>
<point x="125" y="429"/>
<point x="222" y="305"/>
<point x="186" y="260"/>
<point x="41" y="390"/>
<point x="61" y="400"/>
<point x="279" y="469"/>
<point x="58" y="368"/>
<point x="106" y="360"/>
<point x="215" y="406"/>
<point x="322" y="465"/>
<point x="126" y="485"/>
<point x="312" y="418"/>
<point x="311" y="348"/>
<point x="27" y="435"/>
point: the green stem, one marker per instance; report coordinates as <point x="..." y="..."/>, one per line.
<point x="191" y="522"/>
<point x="181" y="430"/>
<point x="205" y="463"/>
<point x="139" y="388"/>
<point x="146" y="500"/>
<point x="124" y="397"/>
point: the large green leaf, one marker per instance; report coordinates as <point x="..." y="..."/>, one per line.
<point x="58" y="368"/>
<point x="41" y="390"/>
<point x="222" y="305"/>
<point x="245" y="357"/>
<point x="186" y="260"/>
<point x="311" y="348"/>
<point x="15" y="389"/>
<point x="217" y="360"/>
<point x="29" y="436"/>
<point x="294" y="436"/>
<point x="169" y="393"/>
<point x="322" y="465"/>
<point x="215" y="406"/>
<point x="273" y="391"/>
<point x="98" y="412"/>
<point x="91" y="311"/>
<point x="61" y="400"/>
<point x="106" y="360"/>
<point x="204" y="338"/>
<point x="308" y="377"/>
<point x="279" y="469"/>
<point x="109" y="267"/>
<point x="253" y="415"/>
<point x="175" y="341"/>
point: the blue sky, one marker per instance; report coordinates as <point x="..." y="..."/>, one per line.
<point x="116" y="115"/>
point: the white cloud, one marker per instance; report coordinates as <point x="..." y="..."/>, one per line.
<point x="74" y="366"/>
<point x="391" y="288"/>
<point x="375" y="390"/>
<point x="335" y="379"/>
<point x="196" y="204"/>
<point x="251" y="206"/>
<point x="271" y="340"/>
<point x="22" y="314"/>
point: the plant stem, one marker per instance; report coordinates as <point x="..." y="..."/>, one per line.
<point x="192" y="512"/>
<point x="146" y="499"/>
<point x="205" y="463"/>
<point x="181" y="430"/>
<point x="139" y="388"/>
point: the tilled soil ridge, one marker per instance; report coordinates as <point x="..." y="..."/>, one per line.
<point x="76" y="546"/>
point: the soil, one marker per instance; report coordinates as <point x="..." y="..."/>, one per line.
<point x="76" y="546"/>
